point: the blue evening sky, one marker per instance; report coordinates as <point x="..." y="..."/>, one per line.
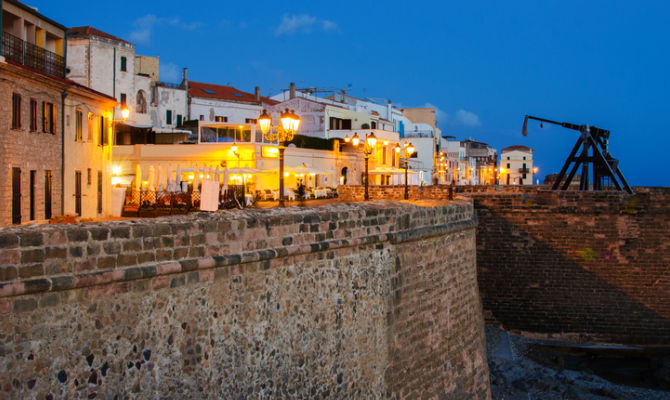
<point x="483" y="64"/>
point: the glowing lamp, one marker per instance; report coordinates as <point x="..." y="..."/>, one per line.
<point x="264" y="122"/>
<point x="234" y="148"/>
<point x="410" y="149"/>
<point x="355" y="140"/>
<point x="372" y="140"/>
<point x="347" y="139"/>
<point x="397" y="148"/>
<point x="286" y="120"/>
<point x="116" y="170"/>
<point x="125" y="112"/>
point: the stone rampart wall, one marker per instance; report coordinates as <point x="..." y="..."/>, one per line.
<point x="582" y="266"/>
<point x="376" y="300"/>
<point x="579" y="266"/>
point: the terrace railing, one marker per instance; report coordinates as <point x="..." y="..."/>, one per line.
<point x="32" y="56"/>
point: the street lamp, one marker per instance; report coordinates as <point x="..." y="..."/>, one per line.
<point x="409" y="150"/>
<point x="367" y="149"/>
<point x="284" y="132"/>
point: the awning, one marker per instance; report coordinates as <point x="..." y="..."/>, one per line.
<point x="390" y="171"/>
<point x="158" y="129"/>
<point x="304" y="169"/>
<point x="245" y="170"/>
<point x="134" y="125"/>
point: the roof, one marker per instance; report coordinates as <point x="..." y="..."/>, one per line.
<point x="221" y="92"/>
<point x="517" y="148"/>
<point x="88" y="31"/>
<point x="34" y="12"/>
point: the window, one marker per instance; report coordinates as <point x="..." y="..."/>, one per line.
<point x="168" y="117"/>
<point x="78" y="121"/>
<point x="202" y="117"/>
<point x="508" y="158"/>
<point x="373" y="124"/>
<point x="16" y="111"/>
<point x="123" y="63"/>
<point x="89" y="178"/>
<point x="524" y="157"/>
<point x="141" y="103"/>
<point x="178" y="119"/>
<point x="48" y="120"/>
<point x="123" y="99"/>
<point x="103" y="132"/>
<point x="250" y="121"/>
<point x="508" y="165"/>
<point x="89" y="128"/>
<point x="220" y="118"/>
<point x="33" y="115"/>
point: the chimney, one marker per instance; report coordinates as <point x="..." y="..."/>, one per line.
<point x="291" y="91"/>
<point x="257" y="93"/>
<point x="184" y="79"/>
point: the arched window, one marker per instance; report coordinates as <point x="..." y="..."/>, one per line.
<point x="141" y="102"/>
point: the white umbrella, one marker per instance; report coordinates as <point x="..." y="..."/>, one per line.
<point x="178" y="179"/>
<point x="152" y="178"/>
<point x="138" y="178"/>
<point x="217" y="175"/>
<point x="196" y="178"/>
<point x="225" y="178"/>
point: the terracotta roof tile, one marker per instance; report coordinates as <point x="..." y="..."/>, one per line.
<point x="85" y="31"/>
<point x="221" y="92"/>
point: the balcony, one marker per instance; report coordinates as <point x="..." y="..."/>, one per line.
<point x="32" y="56"/>
<point x="524" y="171"/>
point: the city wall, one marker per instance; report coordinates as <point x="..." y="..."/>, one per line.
<point x="375" y="300"/>
<point x="579" y="266"/>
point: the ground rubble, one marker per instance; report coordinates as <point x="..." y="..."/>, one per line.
<point x="514" y="376"/>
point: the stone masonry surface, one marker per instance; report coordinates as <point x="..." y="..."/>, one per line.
<point x="580" y="266"/>
<point x="375" y="300"/>
<point x="569" y="265"/>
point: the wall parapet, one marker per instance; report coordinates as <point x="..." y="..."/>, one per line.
<point x="374" y="300"/>
<point x="84" y="244"/>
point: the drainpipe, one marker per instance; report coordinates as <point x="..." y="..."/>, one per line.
<point x="62" y="153"/>
<point x="113" y="74"/>
<point x="1" y="27"/>
<point x="65" y="55"/>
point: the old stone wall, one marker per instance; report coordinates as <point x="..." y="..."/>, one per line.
<point x="376" y="300"/>
<point x="582" y="266"/>
<point x="397" y="192"/>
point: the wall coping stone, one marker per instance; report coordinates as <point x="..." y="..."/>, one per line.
<point x="134" y="229"/>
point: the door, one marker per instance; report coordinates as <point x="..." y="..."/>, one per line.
<point x="77" y="192"/>
<point x="47" y="194"/>
<point x="33" y="175"/>
<point x="99" y="192"/>
<point x="16" y="195"/>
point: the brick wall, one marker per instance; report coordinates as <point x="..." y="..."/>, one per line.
<point x="580" y="266"/>
<point x="375" y="300"/>
<point x="29" y="151"/>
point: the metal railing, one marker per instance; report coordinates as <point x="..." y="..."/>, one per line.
<point x="32" y="56"/>
<point x="163" y="202"/>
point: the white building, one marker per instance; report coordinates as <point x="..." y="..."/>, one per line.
<point x="516" y="163"/>
<point x="109" y="65"/>
<point x="224" y="104"/>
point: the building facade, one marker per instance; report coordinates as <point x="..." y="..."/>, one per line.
<point x="516" y="163"/>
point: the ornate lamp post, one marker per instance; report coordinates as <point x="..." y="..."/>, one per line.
<point x="368" y="147"/>
<point x="289" y="125"/>
<point x="409" y="150"/>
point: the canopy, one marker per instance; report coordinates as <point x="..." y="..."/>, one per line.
<point x="304" y="169"/>
<point x="392" y="171"/>
<point x="245" y="170"/>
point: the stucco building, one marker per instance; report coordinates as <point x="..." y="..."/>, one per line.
<point x="517" y="164"/>
<point x="36" y="128"/>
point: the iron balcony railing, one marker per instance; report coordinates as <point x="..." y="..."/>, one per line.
<point x="32" y="56"/>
